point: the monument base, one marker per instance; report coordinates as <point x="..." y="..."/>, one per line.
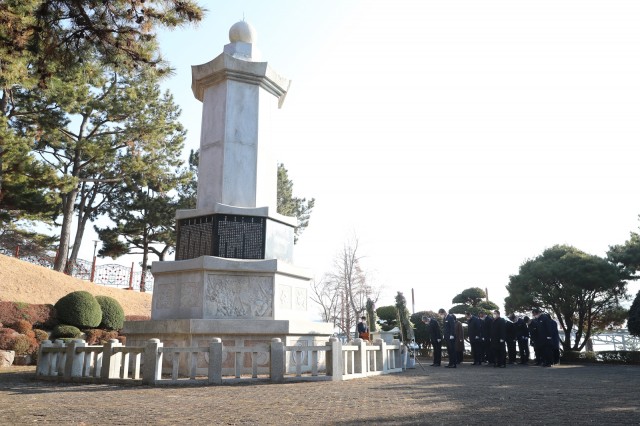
<point x="244" y="302"/>
<point x="255" y="334"/>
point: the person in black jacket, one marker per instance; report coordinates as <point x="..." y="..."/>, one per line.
<point x="487" y="321"/>
<point x="498" y="338"/>
<point x="545" y="336"/>
<point x="450" y="336"/>
<point x="435" y="336"/>
<point x="522" y="334"/>
<point x="474" y="330"/>
<point x="511" y="338"/>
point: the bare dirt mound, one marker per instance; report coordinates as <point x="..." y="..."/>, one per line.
<point x="24" y="282"/>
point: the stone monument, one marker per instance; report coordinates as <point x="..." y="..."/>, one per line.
<point x="233" y="275"/>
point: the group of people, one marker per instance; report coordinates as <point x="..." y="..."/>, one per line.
<point x="496" y="340"/>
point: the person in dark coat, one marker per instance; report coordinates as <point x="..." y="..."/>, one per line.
<point x="498" y="338"/>
<point x="474" y="330"/>
<point x="511" y="338"/>
<point x="545" y="336"/>
<point x="487" y="321"/>
<point x="450" y="336"/>
<point x="435" y="335"/>
<point x="522" y="335"/>
<point x="459" y="342"/>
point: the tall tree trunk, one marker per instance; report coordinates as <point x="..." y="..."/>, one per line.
<point x="3" y="109"/>
<point x="77" y="241"/>
<point x="145" y="257"/>
<point x="65" y="231"/>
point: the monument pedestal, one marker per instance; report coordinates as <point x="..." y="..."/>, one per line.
<point x="246" y="303"/>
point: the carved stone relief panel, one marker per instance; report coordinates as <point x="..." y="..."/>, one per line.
<point x="285" y="296"/>
<point x="238" y="296"/>
<point x="300" y="299"/>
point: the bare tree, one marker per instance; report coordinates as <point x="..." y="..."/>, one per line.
<point x="347" y="289"/>
<point x="324" y="293"/>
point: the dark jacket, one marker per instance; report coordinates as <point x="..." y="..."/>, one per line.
<point x="522" y="331"/>
<point x="449" y="326"/>
<point x="459" y="337"/>
<point x="510" y="330"/>
<point x="435" y="333"/>
<point x="533" y="331"/>
<point x="475" y="329"/>
<point x="486" y="328"/>
<point x="498" y="331"/>
<point x="547" y="328"/>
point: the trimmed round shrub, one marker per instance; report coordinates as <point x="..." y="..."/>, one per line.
<point x="40" y="335"/>
<point x="65" y="331"/>
<point x="112" y="313"/>
<point x="79" y="308"/>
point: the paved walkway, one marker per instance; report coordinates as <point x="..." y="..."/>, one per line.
<point x="517" y="395"/>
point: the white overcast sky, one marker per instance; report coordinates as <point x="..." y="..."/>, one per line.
<point x="455" y="139"/>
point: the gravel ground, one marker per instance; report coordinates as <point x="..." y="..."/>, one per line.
<point x="517" y="395"/>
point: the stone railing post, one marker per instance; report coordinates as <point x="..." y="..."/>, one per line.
<point x="334" y="359"/>
<point x="152" y="368"/>
<point x="277" y="363"/>
<point x="44" y="367"/>
<point x="215" y="361"/>
<point x="111" y="362"/>
<point x="60" y="358"/>
<point x="74" y="361"/>
<point x="397" y="355"/>
<point x="381" y="356"/>
<point x="360" y="359"/>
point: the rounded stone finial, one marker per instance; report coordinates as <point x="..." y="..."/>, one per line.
<point x="242" y="31"/>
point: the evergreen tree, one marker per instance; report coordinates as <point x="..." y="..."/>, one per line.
<point x="471" y="300"/>
<point x="45" y="46"/>
<point x="404" y="318"/>
<point x="289" y="205"/>
<point x="573" y="286"/>
<point x="145" y="202"/>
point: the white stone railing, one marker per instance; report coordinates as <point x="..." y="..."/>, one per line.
<point x="115" y="363"/>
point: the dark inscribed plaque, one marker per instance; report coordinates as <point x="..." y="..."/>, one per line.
<point x="230" y="236"/>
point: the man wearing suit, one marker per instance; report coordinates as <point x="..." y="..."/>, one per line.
<point x="511" y="339"/>
<point x="450" y="336"/>
<point x="459" y="342"/>
<point x="546" y="330"/>
<point x="475" y="337"/>
<point x="435" y="336"/>
<point x="487" y="322"/>
<point x="522" y="334"/>
<point x="498" y="339"/>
